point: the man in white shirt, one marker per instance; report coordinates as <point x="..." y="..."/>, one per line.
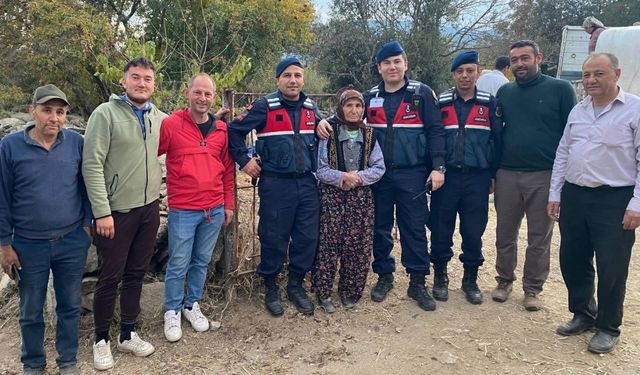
<point x="596" y="177"/>
<point x="492" y="81"/>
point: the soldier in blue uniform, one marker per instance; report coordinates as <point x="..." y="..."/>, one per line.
<point x="472" y="131"/>
<point x="405" y="118"/>
<point x="285" y="123"/>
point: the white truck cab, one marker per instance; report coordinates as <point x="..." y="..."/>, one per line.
<point x="624" y="42"/>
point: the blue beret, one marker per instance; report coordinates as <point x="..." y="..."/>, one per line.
<point x="392" y="48"/>
<point x="465" y="57"/>
<point x="285" y="63"/>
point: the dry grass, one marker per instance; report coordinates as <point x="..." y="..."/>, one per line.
<point x="9" y="304"/>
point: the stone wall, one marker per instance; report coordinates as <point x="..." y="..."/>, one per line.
<point x="17" y="122"/>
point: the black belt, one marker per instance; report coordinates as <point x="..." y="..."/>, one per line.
<point x="284" y="175"/>
<point x="601" y="187"/>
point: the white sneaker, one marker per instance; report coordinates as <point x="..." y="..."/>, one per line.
<point x="198" y="321"/>
<point x="136" y="345"/>
<point x="172" y="326"/>
<point x="102" y="358"/>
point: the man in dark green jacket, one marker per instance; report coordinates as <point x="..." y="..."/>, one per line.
<point x="534" y="110"/>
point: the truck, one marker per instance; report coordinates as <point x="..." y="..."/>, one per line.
<point x="624" y="42"/>
<point x="573" y="51"/>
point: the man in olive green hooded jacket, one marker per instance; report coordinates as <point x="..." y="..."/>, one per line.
<point x="122" y="175"/>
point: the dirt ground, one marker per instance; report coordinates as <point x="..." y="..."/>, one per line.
<point x="392" y="337"/>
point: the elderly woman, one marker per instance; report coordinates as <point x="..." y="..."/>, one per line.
<point x="594" y="27"/>
<point x="348" y="163"/>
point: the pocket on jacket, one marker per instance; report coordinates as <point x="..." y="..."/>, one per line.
<point x="313" y="154"/>
<point x="283" y="155"/>
<point x="199" y="171"/>
<point x="261" y="149"/>
<point x="113" y="185"/>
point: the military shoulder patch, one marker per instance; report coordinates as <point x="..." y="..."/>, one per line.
<point x="244" y="113"/>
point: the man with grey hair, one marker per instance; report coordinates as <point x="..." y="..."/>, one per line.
<point x="596" y="176"/>
<point x="594" y="27"/>
<point x="45" y="221"/>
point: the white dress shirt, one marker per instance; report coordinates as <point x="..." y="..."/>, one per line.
<point x="600" y="150"/>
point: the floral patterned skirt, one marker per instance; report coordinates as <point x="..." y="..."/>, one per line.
<point x="346" y="236"/>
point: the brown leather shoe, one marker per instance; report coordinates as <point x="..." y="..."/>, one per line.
<point x="502" y="291"/>
<point x="532" y="302"/>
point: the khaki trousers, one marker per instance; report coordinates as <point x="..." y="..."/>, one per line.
<point x="518" y="194"/>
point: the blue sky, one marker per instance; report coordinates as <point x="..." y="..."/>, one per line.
<point x="322" y="8"/>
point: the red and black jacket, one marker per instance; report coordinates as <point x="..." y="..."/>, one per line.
<point x="408" y="139"/>
<point x="285" y="144"/>
<point x="470" y="142"/>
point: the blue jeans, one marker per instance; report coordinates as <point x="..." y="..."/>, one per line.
<point x="66" y="259"/>
<point x="192" y="238"/>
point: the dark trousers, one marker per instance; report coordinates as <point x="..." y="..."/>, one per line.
<point x="400" y="189"/>
<point x="465" y="193"/>
<point x="346" y="234"/>
<point x="591" y="223"/>
<point x="125" y="258"/>
<point x="65" y="258"/>
<point x="289" y="219"/>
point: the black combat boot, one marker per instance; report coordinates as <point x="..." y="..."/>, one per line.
<point x="470" y="285"/>
<point x="272" y="297"/>
<point x="383" y="286"/>
<point x="418" y="291"/>
<point x="440" y="282"/>
<point x="297" y="294"/>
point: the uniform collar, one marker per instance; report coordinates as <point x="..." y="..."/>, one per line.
<point x="456" y="96"/>
<point x="300" y="100"/>
<point x="406" y="83"/>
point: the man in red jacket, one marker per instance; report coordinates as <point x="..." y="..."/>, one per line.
<point x="200" y="183"/>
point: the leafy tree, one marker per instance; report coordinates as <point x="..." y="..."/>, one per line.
<point x="345" y="53"/>
<point x="49" y="41"/>
<point x="82" y="45"/>
<point x="543" y="20"/>
<point x="431" y="31"/>
<point x="620" y="13"/>
<point x="122" y="12"/>
<point x="214" y="34"/>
